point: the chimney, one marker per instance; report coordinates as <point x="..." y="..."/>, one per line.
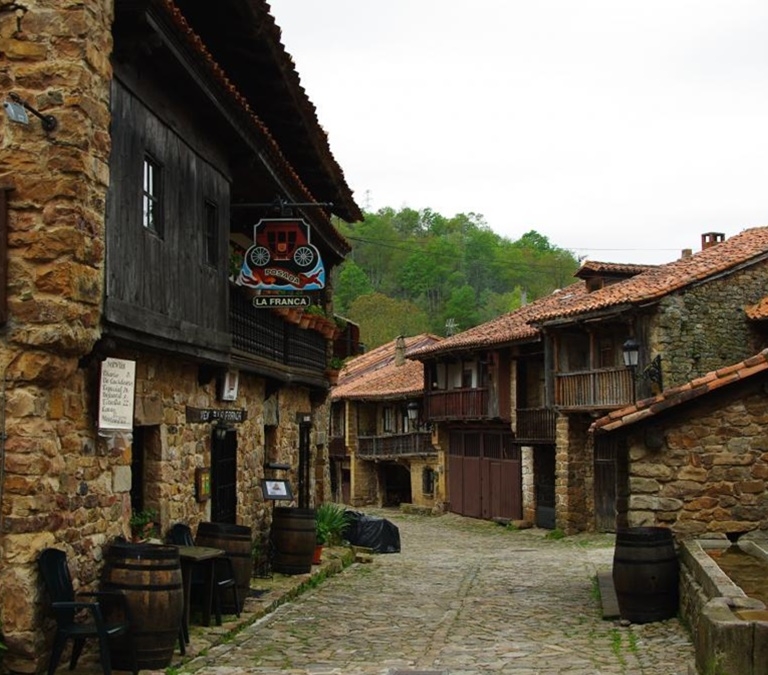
<point x="686" y="253"/>
<point x="710" y="239"/>
<point x="400" y="351"/>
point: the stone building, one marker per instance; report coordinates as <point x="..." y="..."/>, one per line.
<point x="695" y="457"/>
<point x="143" y="360"/>
<point x="381" y="449"/>
<point x="620" y="334"/>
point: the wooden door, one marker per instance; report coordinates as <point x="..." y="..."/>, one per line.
<point x="610" y="481"/>
<point x="544" y="485"/>
<point x="224" y="476"/>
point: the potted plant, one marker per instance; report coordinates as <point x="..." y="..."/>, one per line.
<point x="331" y="520"/>
<point x="143" y="524"/>
<point x="332" y="371"/>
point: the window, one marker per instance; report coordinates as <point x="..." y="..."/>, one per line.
<point x="428" y="481"/>
<point x="151" y="195"/>
<point x="389" y="419"/>
<point x="211" y="243"/>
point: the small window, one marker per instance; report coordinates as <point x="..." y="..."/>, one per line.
<point x="211" y="243"/>
<point x="389" y="419"/>
<point x="428" y="481"/>
<point x="151" y="194"/>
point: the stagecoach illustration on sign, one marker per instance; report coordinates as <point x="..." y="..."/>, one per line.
<point x="282" y="257"/>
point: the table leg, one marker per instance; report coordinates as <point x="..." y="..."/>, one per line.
<point x="186" y="578"/>
<point x="210" y="571"/>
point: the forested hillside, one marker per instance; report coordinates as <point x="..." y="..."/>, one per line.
<point x="413" y="271"/>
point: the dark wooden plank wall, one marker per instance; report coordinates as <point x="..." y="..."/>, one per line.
<point x="153" y="279"/>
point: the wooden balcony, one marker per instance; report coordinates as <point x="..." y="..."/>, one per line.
<point x="457" y="404"/>
<point x="535" y="425"/>
<point x="260" y="334"/>
<point x="392" y="446"/>
<point x="604" y="388"/>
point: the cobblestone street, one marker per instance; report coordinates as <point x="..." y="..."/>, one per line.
<point x="463" y="597"/>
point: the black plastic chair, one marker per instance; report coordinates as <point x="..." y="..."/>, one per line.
<point x="104" y="617"/>
<point x="224" y="572"/>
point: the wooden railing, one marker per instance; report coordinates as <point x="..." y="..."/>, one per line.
<point x="535" y="425"/>
<point x="605" y="388"/>
<point x="395" y="445"/>
<point x="457" y="404"/>
<point x="261" y="333"/>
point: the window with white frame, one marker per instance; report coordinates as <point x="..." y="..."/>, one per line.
<point x="151" y="196"/>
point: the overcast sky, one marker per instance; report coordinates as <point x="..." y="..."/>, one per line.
<point x="620" y="130"/>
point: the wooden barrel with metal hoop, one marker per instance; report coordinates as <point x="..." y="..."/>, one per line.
<point x="293" y="537"/>
<point x="646" y="574"/>
<point x="235" y="540"/>
<point x="149" y="575"/>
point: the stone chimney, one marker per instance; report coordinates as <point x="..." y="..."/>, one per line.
<point x="710" y="239"/>
<point x="400" y="351"/>
<point x="686" y="253"/>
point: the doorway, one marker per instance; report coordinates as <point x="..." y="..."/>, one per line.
<point x="224" y="475"/>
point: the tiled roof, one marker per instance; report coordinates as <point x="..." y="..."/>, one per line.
<point x="670" y="398"/>
<point x="595" y="268"/>
<point x="569" y="303"/>
<point x="238" y="99"/>
<point x="507" y="328"/>
<point x="664" y="279"/>
<point x="758" y="311"/>
<point x="376" y="374"/>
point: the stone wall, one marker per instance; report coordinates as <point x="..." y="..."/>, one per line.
<point x="57" y="483"/>
<point x="704" y="327"/>
<point x="710" y="475"/>
<point x="573" y="474"/>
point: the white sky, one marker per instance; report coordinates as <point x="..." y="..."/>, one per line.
<point x="620" y="130"/>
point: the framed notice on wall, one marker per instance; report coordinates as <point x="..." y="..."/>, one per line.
<point x="116" y="393"/>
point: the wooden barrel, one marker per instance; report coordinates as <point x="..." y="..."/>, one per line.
<point x="150" y="577"/>
<point x="236" y="541"/>
<point x="293" y="538"/>
<point x="646" y="574"/>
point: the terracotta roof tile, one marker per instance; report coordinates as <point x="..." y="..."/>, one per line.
<point x="759" y="311"/>
<point x="649" y="283"/>
<point x="376" y="374"/>
<point x="236" y="97"/>
<point x="507" y="328"/>
<point x="596" y="267"/>
<point x="677" y="395"/>
<point x="657" y="282"/>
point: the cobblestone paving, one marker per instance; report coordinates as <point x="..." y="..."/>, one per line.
<point x="463" y="597"/>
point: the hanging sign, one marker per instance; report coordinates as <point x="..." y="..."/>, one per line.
<point x="116" y="393"/>
<point x="282" y="258"/>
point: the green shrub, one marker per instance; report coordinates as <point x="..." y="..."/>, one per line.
<point x="331" y="520"/>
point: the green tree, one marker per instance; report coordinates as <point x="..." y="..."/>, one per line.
<point x="382" y="318"/>
<point x="349" y="284"/>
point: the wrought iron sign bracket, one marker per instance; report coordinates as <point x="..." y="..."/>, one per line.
<point x="16" y="112"/>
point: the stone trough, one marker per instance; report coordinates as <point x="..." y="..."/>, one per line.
<point x="729" y="629"/>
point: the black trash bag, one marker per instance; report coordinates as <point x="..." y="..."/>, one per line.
<point x="377" y="534"/>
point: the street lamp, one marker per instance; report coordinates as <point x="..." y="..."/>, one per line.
<point x="631" y="352"/>
<point x="412" y="409"/>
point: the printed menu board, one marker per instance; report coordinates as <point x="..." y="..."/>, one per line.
<point x="116" y="391"/>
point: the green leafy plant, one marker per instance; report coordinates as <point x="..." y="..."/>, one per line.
<point x="314" y="309"/>
<point x="335" y="363"/>
<point x="143" y="523"/>
<point x="331" y="520"/>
